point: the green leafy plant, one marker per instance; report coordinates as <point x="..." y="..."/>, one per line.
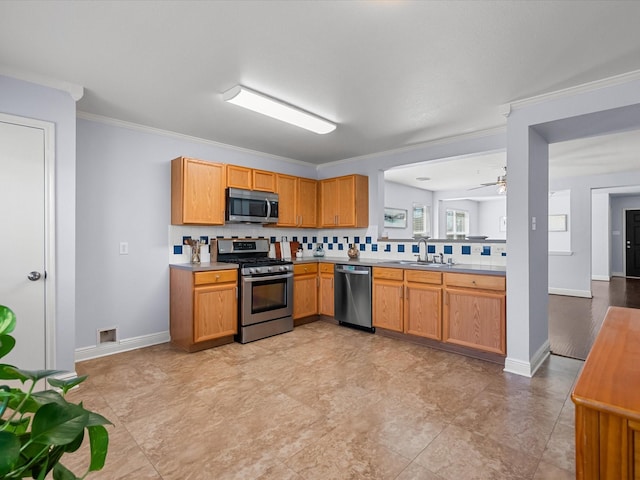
<point x="38" y="427"/>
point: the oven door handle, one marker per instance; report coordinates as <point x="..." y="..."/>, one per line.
<point x="266" y="277"/>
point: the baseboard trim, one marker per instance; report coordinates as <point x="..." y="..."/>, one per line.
<point x="125" y="345"/>
<point x="567" y="292"/>
<point x="528" y="369"/>
<point x="601" y="278"/>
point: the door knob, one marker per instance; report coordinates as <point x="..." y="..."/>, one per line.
<point x="34" y="276"/>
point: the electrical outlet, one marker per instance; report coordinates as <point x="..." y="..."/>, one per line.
<point x="124" y="248"/>
<point x="499" y="249"/>
<point x="476" y="249"/>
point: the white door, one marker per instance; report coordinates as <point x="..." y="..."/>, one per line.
<point x="24" y="192"/>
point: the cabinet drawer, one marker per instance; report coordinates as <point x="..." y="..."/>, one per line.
<point x="485" y="282"/>
<point x="388" y="273"/>
<point x="423" y="277"/>
<point x="305" y="269"/>
<point x="326" y="268"/>
<point x="215" y="276"/>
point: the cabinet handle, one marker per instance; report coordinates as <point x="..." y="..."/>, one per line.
<point x="236" y="292"/>
<point x="406" y="292"/>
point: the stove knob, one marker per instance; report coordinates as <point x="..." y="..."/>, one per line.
<point x="252" y="270"/>
<point x="283" y="268"/>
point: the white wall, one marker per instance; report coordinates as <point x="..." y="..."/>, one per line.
<point x="489" y="214"/>
<point x="600" y="236"/>
<point x="618" y="206"/>
<point x="34" y="101"/>
<point x="403" y="196"/>
<point x="560" y="204"/>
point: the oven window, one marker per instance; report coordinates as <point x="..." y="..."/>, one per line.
<point x="268" y="295"/>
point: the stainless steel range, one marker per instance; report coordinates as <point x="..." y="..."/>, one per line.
<point x="265" y="304"/>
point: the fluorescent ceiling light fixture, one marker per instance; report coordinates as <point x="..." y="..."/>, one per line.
<point x="258" y="102"/>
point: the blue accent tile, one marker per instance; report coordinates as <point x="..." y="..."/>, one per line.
<point x="356" y="239"/>
<point x="305" y="239"/>
<point x="374" y="247"/>
<point x="466" y="249"/>
<point x="314" y="239"/>
<point x="325" y="239"/>
<point x="204" y="239"/>
<point x="415" y="249"/>
<point x="504" y="254"/>
<point x="335" y="239"/>
<point x="235" y="236"/>
<point x="260" y="236"/>
<point x="486" y="250"/>
<point x="177" y="249"/>
<point x="272" y="239"/>
<point x="340" y="246"/>
<point x="431" y="249"/>
<point x="448" y="250"/>
<point x="387" y="248"/>
<point x="309" y="246"/>
<point x="362" y="245"/>
<point x="184" y="239"/>
<point x="294" y="239"/>
<point x="330" y="246"/>
<point x="222" y="236"/>
<point x="367" y="239"/>
<point x="400" y="248"/>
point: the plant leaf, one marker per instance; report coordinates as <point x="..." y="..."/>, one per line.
<point x="99" y="441"/>
<point x="97" y="419"/>
<point x="7" y="342"/>
<point x="7" y="320"/>
<point x="60" y="472"/>
<point x="76" y="444"/>
<point x="18" y="427"/>
<point x="58" y="424"/>
<point x="24" y="375"/>
<point x="66" y="385"/>
<point x="10" y="452"/>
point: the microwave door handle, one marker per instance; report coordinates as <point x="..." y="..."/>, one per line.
<point x="268" y="208"/>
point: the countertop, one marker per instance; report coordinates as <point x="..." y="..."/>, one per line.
<point x="370" y="262"/>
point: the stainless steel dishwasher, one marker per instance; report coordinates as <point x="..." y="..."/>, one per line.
<point x="353" y="296"/>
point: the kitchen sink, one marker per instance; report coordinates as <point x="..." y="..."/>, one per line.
<point x="417" y="264"/>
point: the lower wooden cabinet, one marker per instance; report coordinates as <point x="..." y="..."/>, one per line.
<point x="474" y="313"/>
<point x="326" y="290"/>
<point x="388" y="298"/>
<point x="305" y="290"/>
<point x="203" y="308"/>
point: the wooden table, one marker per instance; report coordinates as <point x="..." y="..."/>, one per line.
<point x="607" y="399"/>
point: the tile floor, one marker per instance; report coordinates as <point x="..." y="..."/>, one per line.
<point x="328" y="402"/>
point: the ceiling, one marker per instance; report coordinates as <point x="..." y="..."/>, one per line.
<point x="391" y="73"/>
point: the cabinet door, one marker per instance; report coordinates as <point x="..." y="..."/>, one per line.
<point x="475" y="319"/>
<point x="307" y="202"/>
<point x="326" y="303"/>
<point x="239" y="177"/>
<point x="215" y="310"/>
<point x="197" y="192"/>
<point x="346" y="206"/>
<point x="286" y="188"/>
<point x="422" y="311"/>
<point x="388" y="305"/>
<point x="305" y="296"/>
<point x="328" y="201"/>
<point x="264" y="181"/>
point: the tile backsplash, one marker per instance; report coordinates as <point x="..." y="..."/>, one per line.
<point x="337" y="242"/>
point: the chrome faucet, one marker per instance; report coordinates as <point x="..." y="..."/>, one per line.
<point x="437" y="258"/>
<point x="425" y="259"/>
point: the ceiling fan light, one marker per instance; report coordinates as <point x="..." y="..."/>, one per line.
<point x="502" y="189"/>
<point x="261" y="103"/>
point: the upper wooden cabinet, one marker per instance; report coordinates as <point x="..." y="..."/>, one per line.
<point x="344" y="201"/>
<point x="197" y="192"/>
<point x="297" y="201"/>
<point x="250" y="178"/>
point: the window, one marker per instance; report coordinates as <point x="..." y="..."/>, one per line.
<point x="457" y="224"/>
<point x="421" y="220"/>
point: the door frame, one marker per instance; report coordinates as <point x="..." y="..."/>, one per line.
<point x="48" y="129"/>
<point x="624" y="238"/>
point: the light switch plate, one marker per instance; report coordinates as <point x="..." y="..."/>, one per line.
<point x="124" y="248"/>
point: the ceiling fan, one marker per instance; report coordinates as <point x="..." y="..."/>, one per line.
<point x="501" y="183"/>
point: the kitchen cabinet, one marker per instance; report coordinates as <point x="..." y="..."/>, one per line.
<point x="305" y="290"/>
<point x="203" y="308"/>
<point x="423" y="304"/>
<point x="474" y="313"/>
<point x="607" y="400"/>
<point x="250" y="178"/>
<point x="197" y="192"/>
<point x="388" y="298"/>
<point x="326" y="290"/>
<point x="408" y="301"/>
<point x="344" y="201"/>
<point x="297" y="205"/>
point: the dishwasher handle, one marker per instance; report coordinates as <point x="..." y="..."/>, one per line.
<point x="350" y="270"/>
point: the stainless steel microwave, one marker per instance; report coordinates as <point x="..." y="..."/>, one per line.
<point x="248" y="206"/>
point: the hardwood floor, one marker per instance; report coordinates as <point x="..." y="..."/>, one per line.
<point x="575" y="322"/>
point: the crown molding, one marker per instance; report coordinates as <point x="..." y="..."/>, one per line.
<point x="506" y="108"/>
<point x="76" y="91"/>
<point x="180" y="136"/>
